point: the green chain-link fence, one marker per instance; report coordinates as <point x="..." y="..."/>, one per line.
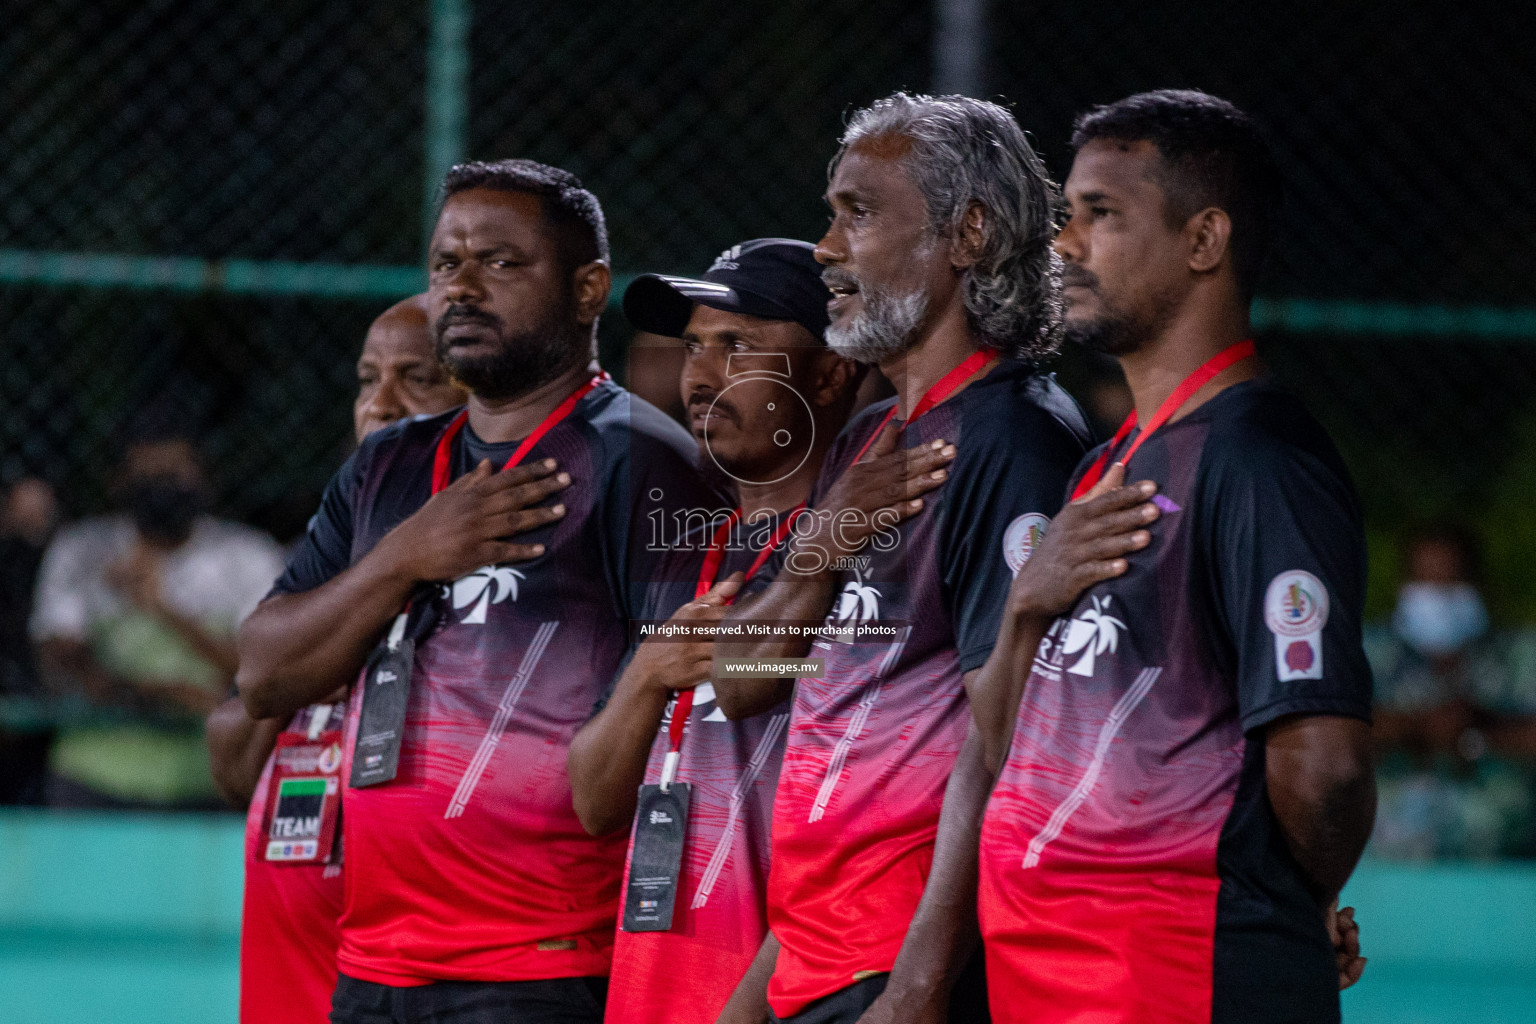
<point x="203" y="202"/>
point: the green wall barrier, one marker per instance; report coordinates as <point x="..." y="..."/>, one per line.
<point x="135" y="918"/>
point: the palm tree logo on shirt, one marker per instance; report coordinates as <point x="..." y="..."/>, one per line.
<point x="858" y="603"/>
<point x="488" y="585"/>
<point x="1093" y="633"/>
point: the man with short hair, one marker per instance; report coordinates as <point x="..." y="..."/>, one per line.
<point x="939" y="260"/>
<point x="765" y="398"/>
<point x="1188" y="782"/>
<point x="473" y="893"/>
<point x="288" y="933"/>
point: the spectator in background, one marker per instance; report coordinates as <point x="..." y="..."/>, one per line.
<point x="1455" y="725"/>
<point x="1423" y="697"/>
<point x="652" y="368"/>
<point x="29" y="512"/>
<point x="137" y="612"/>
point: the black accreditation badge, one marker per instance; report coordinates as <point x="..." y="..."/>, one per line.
<point x="661" y="822"/>
<point x="386" y="688"/>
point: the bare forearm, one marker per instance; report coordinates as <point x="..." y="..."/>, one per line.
<point x="238" y="746"/>
<point x="749" y="1002"/>
<point x="607" y="759"/>
<point x="1328" y="837"/>
<point x="1323" y="791"/>
<point x="296" y="648"/>
<point x="944" y="934"/>
<point x="997" y="687"/>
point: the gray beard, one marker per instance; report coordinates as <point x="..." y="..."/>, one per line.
<point x="885" y="327"/>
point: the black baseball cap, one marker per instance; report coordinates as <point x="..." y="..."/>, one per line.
<point x="770" y="278"/>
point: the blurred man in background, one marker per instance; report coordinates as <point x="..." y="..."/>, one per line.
<point x="1425" y="704"/>
<point x="137" y="612"/>
<point x="1456" y="711"/>
<point x="288" y="932"/>
<point x="765" y="398"/>
<point x="29" y="513"/>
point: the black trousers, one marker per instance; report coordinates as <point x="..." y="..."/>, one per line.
<point x="556" y="1001"/>
<point x="967" y="1003"/>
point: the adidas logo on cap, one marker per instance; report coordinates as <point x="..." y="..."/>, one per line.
<point x="726" y="260"/>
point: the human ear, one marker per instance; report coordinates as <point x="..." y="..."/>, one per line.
<point x="1209" y="235"/>
<point x="830" y="378"/>
<point x="970" y="237"/>
<point x="590" y="283"/>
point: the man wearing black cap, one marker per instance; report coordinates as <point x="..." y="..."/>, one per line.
<point x="765" y="397"/>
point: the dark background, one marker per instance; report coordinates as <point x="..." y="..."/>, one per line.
<point x="294" y="130"/>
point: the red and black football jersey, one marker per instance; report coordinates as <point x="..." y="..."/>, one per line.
<point x="872" y="741"/>
<point x="471" y="864"/>
<point x="1131" y="868"/>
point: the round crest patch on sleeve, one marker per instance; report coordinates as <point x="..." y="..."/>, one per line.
<point x="1296" y="610"/>
<point x="1020" y="538"/>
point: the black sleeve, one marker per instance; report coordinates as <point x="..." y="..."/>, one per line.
<point x="1001" y="494"/>
<point x="327" y="545"/>
<point x="1286" y="555"/>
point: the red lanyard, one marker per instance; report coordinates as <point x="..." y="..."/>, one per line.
<point x="1181" y="394"/>
<point x="933" y="396"/>
<point x="444" y="456"/>
<point x="716" y="554"/>
<point x="711" y="568"/>
<point x="441" y="462"/>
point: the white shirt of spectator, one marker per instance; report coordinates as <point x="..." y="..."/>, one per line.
<point x="216" y="578"/>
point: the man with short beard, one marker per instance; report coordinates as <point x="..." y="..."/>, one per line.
<point x="1188" y="782"/>
<point x="473" y="893"/>
<point x="940" y="264"/>
<point x="398" y="375"/>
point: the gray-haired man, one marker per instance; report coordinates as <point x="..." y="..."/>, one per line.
<point x="939" y="259"/>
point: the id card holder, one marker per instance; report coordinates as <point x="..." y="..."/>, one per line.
<point x="386" y="687"/>
<point x="304" y="797"/>
<point x="661" y="823"/>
